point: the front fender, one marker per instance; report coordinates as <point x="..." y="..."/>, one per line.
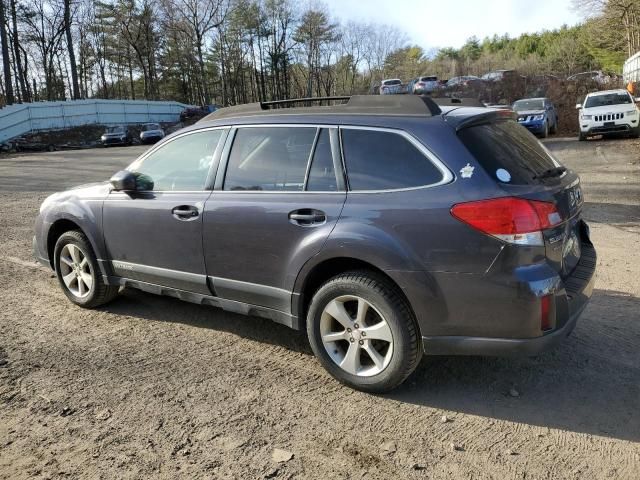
<point x="83" y="207"/>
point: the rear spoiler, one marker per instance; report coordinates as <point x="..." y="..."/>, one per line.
<point x="465" y="118"/>
<point x="457" y="102"/>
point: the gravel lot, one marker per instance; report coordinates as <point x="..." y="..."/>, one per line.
<point x="153" y="387"/>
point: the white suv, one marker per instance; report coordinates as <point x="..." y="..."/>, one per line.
<point x="610" y="111"/>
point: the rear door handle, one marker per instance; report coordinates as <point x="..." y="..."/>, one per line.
<point x="307" y="217"/>
<point x="185" y="212"/>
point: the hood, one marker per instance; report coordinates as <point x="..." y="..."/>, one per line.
<point x="621" y="107"/>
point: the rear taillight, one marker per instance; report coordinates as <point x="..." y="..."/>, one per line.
<point x="513" y="220"/>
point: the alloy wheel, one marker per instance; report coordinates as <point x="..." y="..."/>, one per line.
<point x="75" y="270"/>
<point x="356" y="336"/>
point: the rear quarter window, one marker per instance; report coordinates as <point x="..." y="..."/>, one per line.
<point x="508" y="146"/>
<point x="383" y="160"/>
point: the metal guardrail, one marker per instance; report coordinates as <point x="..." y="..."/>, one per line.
<point x="16" y="120"/>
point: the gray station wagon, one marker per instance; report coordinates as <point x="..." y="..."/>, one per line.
<point x="386" y="226"/>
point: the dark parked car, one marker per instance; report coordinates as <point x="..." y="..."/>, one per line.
<point x="538" y="115"/>
<point x="449" y="231"/>
<point x="117" y="135"/>
<point x="151" y="133"/>
<point x="501" y="75"/>
<point x="191" y="115"/>
<point x="464" y="81"/>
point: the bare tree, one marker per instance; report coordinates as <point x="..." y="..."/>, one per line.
<point x="6" y="61"/>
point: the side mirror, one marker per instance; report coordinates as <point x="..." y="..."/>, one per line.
<point x="126" y="181"/>
<point x="578" y="106"/>
<point x="123" y="181"/>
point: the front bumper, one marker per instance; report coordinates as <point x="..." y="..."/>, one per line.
<point x="40" y="258"/>
<point x="533" y="127"/>
<point x="601" y="129"/>
<point x="114" y="141"/>
<point x="571" y="297"/>
<point x="150" y="138"/>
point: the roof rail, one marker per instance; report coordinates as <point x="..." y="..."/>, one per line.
<point x="307" y="100"/>
<point x="398" y="105"/>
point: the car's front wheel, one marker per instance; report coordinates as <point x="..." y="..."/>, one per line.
<point x="77" y="271"/>
<point x="363" y="331"/>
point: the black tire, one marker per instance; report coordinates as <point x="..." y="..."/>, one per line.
<point x="386" y="299"/>
<point x="99" y="293"/>
<point x="545" y="132"/>
<point x="582" y="137"/>
<point x="554" y="129"/>
<point x="635" y="132"/>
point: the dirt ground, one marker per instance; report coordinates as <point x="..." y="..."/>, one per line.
<point x="151" y="387"/>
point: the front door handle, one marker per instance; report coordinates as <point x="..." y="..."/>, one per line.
<point x="185" y="212"/>
<point x="307" y="217"/>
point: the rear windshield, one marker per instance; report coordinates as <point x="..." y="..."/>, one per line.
<point x="429" y="79"/>
<point x="508" y="152"/>
<point x="392" y="82"/>
<point x="608" y="99"/>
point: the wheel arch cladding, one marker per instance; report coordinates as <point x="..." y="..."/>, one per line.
<point x="418" y="289"/>
<point x="61" y="226"/>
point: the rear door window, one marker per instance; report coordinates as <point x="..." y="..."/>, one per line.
<point x="505" y="145"/>
<point x="383" y="160"/>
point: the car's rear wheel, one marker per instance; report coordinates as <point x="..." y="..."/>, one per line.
<point x="363" y="331"/>
<point x="77" y="271"/>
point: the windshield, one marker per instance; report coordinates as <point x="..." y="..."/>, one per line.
<point x="150" y="126"/>
<point x="535" y="104"/>
<point x="607" y="99"/>
<point x="115" y="129"/>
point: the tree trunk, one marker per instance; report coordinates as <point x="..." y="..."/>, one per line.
<point x="6" y="63"/>
<point x="24" y="86"/>
<point x="72" y="55"/>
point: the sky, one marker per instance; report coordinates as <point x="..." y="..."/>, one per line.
<point x="448" y="23"/>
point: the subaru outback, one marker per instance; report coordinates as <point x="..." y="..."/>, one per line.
<point x="385" y="226"/>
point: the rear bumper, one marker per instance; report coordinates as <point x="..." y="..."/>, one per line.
<point x="571" y="298"/>
<point x="499" y="346"/>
